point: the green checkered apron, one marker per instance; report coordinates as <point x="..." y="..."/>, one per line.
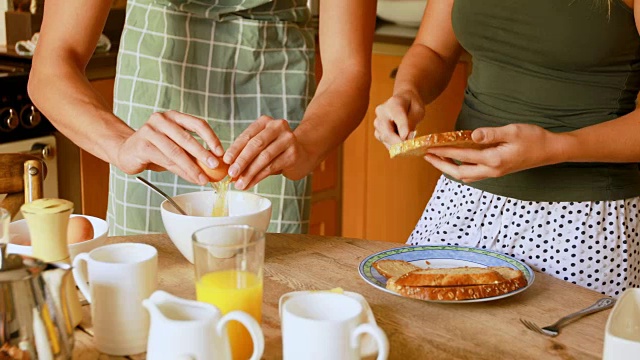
<point x="225" y="61"/>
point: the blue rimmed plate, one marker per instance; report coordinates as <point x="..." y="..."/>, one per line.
<point x="443" y="256"/>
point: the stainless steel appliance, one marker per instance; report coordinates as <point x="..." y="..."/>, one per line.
<point x="34" y="318"/>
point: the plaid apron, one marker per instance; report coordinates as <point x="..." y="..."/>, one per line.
<point x="225" y="61"/>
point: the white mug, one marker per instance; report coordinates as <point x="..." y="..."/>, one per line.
<point x="120" y="276"/>
<point x="325" y="325"/>
<point x="192" y="330"/>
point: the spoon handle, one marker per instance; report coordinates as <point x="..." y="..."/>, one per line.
<point x="161" y="193"/>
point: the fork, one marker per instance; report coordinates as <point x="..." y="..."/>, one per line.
<point x="554" y="329"/>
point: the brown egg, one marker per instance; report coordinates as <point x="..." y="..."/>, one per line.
<point x="216" y="174"/>
<point x="79" y="230"/>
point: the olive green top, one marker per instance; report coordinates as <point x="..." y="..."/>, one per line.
<point x="559" y="64"/>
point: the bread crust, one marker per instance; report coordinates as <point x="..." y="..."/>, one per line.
<point x="420" y="145"/>
<point x="450" y="277"/>
<point x="514" y="280"/>
<point x="391" y="268"/>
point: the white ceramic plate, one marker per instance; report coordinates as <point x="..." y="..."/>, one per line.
<point x="443" y="256"/>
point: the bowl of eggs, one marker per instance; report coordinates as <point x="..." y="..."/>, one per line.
<point x="244" y="209"/>
<point x="84" y="233"/>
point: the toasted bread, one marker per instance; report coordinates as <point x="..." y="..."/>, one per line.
<point x="514" y="280"/>
<point x="420" y="145"/>
<point x="450" y="277"/>
<point x="392" y="268"/>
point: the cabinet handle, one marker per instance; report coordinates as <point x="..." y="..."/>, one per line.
<point x="393" y="74"/>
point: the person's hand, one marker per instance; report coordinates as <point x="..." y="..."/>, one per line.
<point x="510" y="148"/>
<point x="266" y="147"/>
<point x="164" y="142"/>
<point x="397" y="117"/>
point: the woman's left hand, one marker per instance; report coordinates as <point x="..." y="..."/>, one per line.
<point x="511" y="148"/>
<point x="267" y="147"/>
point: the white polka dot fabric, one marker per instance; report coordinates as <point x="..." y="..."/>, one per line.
<point x="592" y="244"/>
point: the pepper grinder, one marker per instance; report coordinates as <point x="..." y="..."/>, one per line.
<point x="48" y="220"/>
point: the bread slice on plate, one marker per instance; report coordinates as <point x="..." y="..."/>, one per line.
<point x="392" y="268"/>
<point x="513" y="280"/>
<point x="451" y="277"/>
<point x="420" y="145"/>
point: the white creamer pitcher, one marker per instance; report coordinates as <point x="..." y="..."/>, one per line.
<point x="191" y="330"/>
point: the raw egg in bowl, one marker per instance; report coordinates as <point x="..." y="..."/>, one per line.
<point x="84" y="233"/>
<point x="245" y="208"/>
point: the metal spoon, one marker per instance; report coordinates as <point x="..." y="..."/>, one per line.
<point x="161" y="193"/>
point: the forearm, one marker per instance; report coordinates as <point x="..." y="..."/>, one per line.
<point x="57" y="83"/>
<point x="76" y="109"/>
<point x="615" y="141"/>
<point x="341" y="99"/>
<point x="337" y="108"/>
<point x="425" y="72"/>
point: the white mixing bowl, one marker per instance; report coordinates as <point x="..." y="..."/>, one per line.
<point x="244" y="209"/>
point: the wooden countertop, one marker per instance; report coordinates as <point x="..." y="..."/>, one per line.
<point x="416" y="329"/>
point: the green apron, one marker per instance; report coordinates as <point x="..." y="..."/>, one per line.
<point x="225" y="61"/>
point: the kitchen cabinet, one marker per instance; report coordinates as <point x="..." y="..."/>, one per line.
<point x="94" y="173"/>
<point x="383" y="198"/>
<point x="326" y="197"/>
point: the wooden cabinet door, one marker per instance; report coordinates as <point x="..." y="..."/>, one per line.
<point x="94" y="173"/>
<point x="323" y="218"/>
<point x="384" y="198"/>
<point x="325" y="197"/>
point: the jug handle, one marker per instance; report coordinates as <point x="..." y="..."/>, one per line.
<point x="80" y="277"/>
<point x="252" y="326"/>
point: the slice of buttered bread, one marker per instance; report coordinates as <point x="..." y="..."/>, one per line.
<point x="392" y="268"/>
<point x="513" y="280"/>
<point x="451" y="277"/>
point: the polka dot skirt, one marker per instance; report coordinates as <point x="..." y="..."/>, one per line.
<point x="592" y="244"/>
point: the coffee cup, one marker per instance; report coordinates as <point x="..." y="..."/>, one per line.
<point x="326" y="325"/>
<point x="119" y="277"/>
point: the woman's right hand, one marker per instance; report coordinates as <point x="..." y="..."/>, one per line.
<point x="164" y="142"/>
<point x="397" y="117"/>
